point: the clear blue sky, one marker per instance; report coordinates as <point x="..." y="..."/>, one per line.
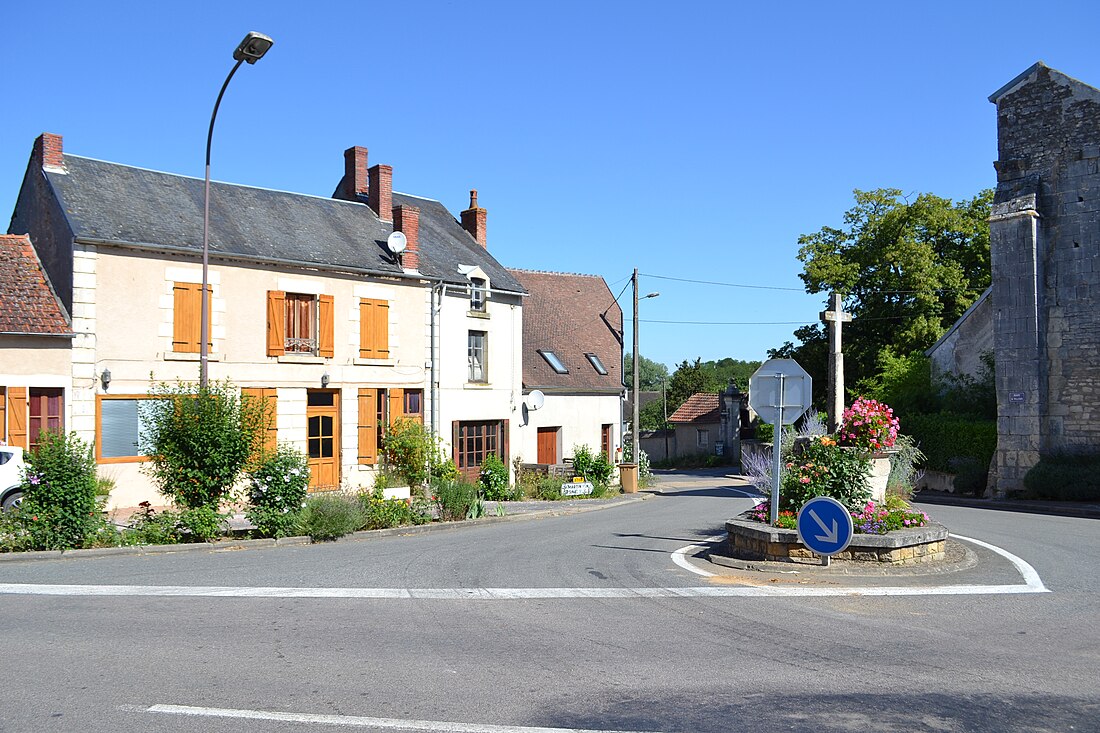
<point x="693" y="140"/>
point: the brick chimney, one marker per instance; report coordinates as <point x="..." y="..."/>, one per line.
<point x="47" y="148"/>
<point x="380" y="196"/>
<point x="406" y="219"/>
<point x="473" y="219"/>
<point x="354" y="184"/>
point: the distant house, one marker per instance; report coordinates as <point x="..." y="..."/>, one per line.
<point x="708" y="423"/>
<point x="309" y="310"/>
<point x="572" y="354"/>
<point x="35" y="347"/>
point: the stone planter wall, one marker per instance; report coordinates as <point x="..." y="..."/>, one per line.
<point x="749" y="540"/>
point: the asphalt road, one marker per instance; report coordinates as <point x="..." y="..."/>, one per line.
<point x="525" y="625"/>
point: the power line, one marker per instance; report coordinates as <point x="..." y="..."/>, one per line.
<point x="765" y="323"/>
<point x="803" y="290"/>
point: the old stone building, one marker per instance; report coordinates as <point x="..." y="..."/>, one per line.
<point x="1045" y="251"/>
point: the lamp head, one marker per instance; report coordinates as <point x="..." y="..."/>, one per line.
<point x="651" y="295"/>
<point x="253" y="47"/>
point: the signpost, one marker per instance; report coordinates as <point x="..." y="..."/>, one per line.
<point x="779" y="391"/>
<point x="577" y="487"/>
<point x="824" y="526"/>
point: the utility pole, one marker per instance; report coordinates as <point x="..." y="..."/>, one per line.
<point x="635" y="455"/>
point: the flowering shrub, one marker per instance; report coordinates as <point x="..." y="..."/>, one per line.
<point x="493" y="479"/>
<point x="868" y="424"/>
<point x="824" y="469"/>
<point x="880" y="520"/>
<point x="762" y="513"/>
<point x="59" y="492"/>
<point x="276" y="490"/>
<point x="382" y="513"/>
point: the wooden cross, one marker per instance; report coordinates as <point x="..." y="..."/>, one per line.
<point x="834" y="318"/>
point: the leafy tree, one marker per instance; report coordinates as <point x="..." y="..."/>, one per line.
<point x="726" y="370"/>
<point x="198" y="440"/>
<point x="907" y="271"/>
<point x="689" y="378"/>
<point x="651" y="374"/>
<point x="652" y="416"/>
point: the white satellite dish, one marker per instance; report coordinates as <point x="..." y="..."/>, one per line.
<point x="397" y="242"/>
<point x="536" y="399"/>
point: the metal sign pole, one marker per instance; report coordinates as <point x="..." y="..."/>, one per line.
<point x="777" y="457"/>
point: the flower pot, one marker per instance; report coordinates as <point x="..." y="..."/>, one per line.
<point x="879" y="476"/>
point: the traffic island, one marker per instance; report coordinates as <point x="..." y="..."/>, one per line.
<point x="751" y="540"/>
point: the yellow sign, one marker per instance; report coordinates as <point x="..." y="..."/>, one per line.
<point x="578" y="479"/>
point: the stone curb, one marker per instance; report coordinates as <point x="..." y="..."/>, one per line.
<point x="231" y="545"/>
<point x="1086" y="511"/>
<point x="932" y="532"/>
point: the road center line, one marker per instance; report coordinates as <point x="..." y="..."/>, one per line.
<point x="359" y="721"/>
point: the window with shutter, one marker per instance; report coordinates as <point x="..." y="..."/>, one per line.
<point x="276" y="323"/>
<point x="300" y="323"/>
<point x="187" y="317"/>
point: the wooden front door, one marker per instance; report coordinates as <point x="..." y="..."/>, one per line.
<point x="323" y="438"/>
<point x="548" y="445"/>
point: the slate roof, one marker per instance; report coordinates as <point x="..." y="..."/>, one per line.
<point x="701" y="407"/>
<point x="127" y="205"/>
<point x="563" y="313"/>
<point x="28" y="304"/>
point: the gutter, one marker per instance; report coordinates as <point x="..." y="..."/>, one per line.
<point x="39" y="334"/>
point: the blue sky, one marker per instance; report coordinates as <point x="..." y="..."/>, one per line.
<point x="692" y="140"/>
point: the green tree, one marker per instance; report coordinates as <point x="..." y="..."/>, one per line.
<point x="651" y="374"/>
<point x="689" y="378"/>
<point x="198" y="440"/>
<point x="907" y="270"/>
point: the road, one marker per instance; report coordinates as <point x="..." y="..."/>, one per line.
<point x="525" y="625"/>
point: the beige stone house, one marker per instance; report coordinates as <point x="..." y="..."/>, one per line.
<point x="309" y="308"/>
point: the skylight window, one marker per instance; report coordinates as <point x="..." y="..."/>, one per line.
<point x="596" y="363"/>
<point x="554" y="362"/>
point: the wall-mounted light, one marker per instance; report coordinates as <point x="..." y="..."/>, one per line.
<point x="105" y="379"/>
<point x="325" y="379"/>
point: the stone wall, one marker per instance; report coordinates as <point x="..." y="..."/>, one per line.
<point x="1045" y="251"/>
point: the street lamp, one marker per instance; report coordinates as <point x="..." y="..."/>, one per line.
<point x="635" y="444"/>
<point x="251" y="49"/>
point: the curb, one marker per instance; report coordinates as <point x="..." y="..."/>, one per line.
<point x="1083" y="511"/>
<point x="235" y="545"/>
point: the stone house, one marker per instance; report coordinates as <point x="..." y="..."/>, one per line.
<point x="1040" y="315"/>
<point x="572" y="355"/>
<point x="709" y="423"/>
<point x="309" y="309"/>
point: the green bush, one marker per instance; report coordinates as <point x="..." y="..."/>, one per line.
<point x="382" y="513"/>
<point x="149" y="527"/>
<point x="413" y="452"/>
<point x="903" y="467"/>
<point x="204" y="522"/>
<point x="59" y="492"/>
<point x="1065" y="478"/>
<point x="825" y="469"/>
<point x="325" y="518"/>
<point x="493" y="479"/>
<point x="765" y="432"/>
<point x="945" y="436"/>
<point x="454" y="498"/>
<point x="198" y="440"/>
<point x="547" y="488"/>
<point x="276" y="489"/>
<point x="594" y="468"/>
<point x="971" y="476"/>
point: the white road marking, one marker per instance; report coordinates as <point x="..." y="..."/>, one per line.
<point x="360" y="721"/>
<point x="1032" y="582"/>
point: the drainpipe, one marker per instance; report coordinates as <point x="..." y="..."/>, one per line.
<point x="438" y="291"/>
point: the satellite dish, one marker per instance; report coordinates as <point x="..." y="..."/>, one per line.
<point x="536" y="399"/>
<point x="397" y="242"/>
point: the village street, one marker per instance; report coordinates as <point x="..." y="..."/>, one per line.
<point x="581" y="621"/>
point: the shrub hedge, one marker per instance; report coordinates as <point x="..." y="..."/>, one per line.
<point x="1066" y="478"/>
<point x="944" y="437"/>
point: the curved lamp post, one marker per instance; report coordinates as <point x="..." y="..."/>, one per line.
<point x="251" y="49"/>
<point x="636" y="447"/>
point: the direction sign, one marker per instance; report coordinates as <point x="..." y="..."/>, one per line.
<point x="824" y="526"/>
<point x="780" y="391"/>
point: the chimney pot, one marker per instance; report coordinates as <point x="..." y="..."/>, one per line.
<point x="473" y="219"/>
<point x="49" y="150"/>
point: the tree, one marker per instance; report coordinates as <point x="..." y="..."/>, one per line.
<point x="688" y="379"/>
<point x="907" y="271"/>
<point x="651" y="374"/>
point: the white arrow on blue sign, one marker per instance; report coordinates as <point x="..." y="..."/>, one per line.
<point x="824" y="526"/>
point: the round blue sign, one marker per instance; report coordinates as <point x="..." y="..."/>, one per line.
<point x="824" y="525"/>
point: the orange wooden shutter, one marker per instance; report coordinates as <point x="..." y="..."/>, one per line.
<point x="368" y="429"/>
<point x="366" y="328"/>
<point x="270" y="403"/>
<point x="382" y="328"/>
<point x="276" y="334"/>
<point x="186" y="312"/>
<point x="3" y="420"/>
<point x="326" y="339"/>
<point x="397" y="404"/>
<point x="17" y="416"/>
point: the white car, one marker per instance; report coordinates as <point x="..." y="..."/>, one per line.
<point x="11" y="476"/>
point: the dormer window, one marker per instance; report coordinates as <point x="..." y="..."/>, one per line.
<point x="596" y="363"/>
<point x="477" y="294"/>
<point x="553" y="360"/>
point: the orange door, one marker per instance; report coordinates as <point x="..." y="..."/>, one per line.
<point x="548" y="445"/>
<point x="323" y="438"/>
